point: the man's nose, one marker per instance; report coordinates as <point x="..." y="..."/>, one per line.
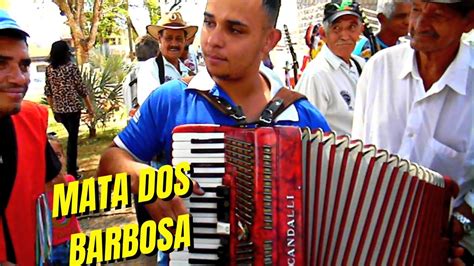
<point x="17" y="76"/>
<point x="215" y="37"/>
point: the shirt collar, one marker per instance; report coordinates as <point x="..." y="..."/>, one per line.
<point x="204" y="82"/>
<point x="455" y="76"/>
<point x="332" y="59"/>
<point x="182" y="66"/>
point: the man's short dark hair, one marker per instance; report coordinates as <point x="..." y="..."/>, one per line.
<point x="13" y="34"/>
<point x="146" y="48"/>
<point x="272" y="7"/>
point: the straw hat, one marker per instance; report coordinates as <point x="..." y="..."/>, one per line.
<point x="173" y="21"/>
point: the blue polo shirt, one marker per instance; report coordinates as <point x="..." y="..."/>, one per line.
<point x="150" y="131"/>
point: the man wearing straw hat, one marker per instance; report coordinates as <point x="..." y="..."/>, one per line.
<point x="416" y="100"/>
<point x="172" y="33"/>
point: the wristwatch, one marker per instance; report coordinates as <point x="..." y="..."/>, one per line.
<point x="467" y="225"/>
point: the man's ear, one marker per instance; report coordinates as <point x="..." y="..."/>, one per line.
<point x="381" y="18"/>
<point x="322" y="33"/>
<point x="273" y="38"/>
<point x="470" y="21"/>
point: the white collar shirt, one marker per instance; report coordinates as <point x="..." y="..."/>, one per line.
<point x="329" y="83"/>
<point x="432" y="128"/>
<point x="148" y="76"/>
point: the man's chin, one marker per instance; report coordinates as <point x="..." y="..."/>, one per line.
<point x="15" y="109"/>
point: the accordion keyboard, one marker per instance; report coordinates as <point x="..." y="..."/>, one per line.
<point x="205" y="153"/>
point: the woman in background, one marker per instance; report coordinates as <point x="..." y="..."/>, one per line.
<point x="64" y="90"/>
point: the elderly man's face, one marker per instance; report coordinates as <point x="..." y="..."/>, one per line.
<point x="343" y="35"/>
<point x="172" y="43"/>
<point x="14" y="75"/>
<point x="435" y="27"/>
<point x="398" y="22"/>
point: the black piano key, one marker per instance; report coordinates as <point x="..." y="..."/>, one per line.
<point x="203" y="151"/>
<point x="203" y="250"/>
<point x="208" y="165"/>
<point x="206" y="236"/>
<point x="202" y="210"/>
<point x="204" y="175"/>
<point x="207" y="141"/>
<point x="209" y="189"/>
<point x="204" y="200"/>
<point x="204" y="225"/>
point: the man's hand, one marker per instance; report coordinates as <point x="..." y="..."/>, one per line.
<point x="160" y="209"/>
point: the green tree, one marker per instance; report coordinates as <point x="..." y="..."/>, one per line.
<point x="154" y="10"/>
<point x="104" y="77"/>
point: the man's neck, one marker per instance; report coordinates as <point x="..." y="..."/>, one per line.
<point x="432" y="65"/>
<point x="251" y="93"/>
<point x="387" y="37"/>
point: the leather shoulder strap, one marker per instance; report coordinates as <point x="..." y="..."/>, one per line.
<point x="161" y="68"/>
<point x="280" y="102"/>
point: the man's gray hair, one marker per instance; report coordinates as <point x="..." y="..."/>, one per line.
<point x="387" y="7"/>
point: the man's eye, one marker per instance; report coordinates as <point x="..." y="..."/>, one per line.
<point x="25" y="68"/>
<point x="235" y="31"/>
<point x="209" y="23"/>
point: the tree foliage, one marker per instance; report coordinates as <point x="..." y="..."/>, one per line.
<point x="154" y="10"/>
<point x="104" y="77"/>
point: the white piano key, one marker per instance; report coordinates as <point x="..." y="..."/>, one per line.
<point x="182" y="255"/>
<point x="207" y="241"/>
<point x="205" y="219"/>
<point x="194" y="135"/>
<point x="207" y="205"/>
<point x="176" y="161"/>
<point x="216" y="170"/>
<point x="204" y="230"/>
<point x="189" y="154"/>
<point x="187" y="145"/>
<point x="215" y="181"/>
<point x="204" y="215"/>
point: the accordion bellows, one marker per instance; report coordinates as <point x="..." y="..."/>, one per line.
<point x="289" y="196"/>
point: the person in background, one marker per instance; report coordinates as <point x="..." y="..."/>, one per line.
<point x="172" y="33"/>
<point x="314" y="43"/>
<point x="64" y="90"/>
<point x="146" y="47"/>
<point x="416" y="100"/>
<point x="63" y="227"/>
<point x="27" y="161"/>
<point x="393" y="18"/>
<point x="330" y="80"/>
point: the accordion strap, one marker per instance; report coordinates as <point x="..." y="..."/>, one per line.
<point x="280" y="102"/>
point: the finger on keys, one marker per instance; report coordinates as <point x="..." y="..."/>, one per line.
<point x="197" y="189"/>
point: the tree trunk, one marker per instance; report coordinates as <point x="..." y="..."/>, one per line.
<point x="92" y="132"/>
<point x="84" y="38"/>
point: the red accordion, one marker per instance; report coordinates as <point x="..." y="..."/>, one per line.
<point x="289" y="196"/>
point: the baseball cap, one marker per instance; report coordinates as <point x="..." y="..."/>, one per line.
<point x="337" y="8"/>
<point x="6" y="22"/>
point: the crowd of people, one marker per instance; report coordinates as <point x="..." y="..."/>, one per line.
<point x="413" y="98"/>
